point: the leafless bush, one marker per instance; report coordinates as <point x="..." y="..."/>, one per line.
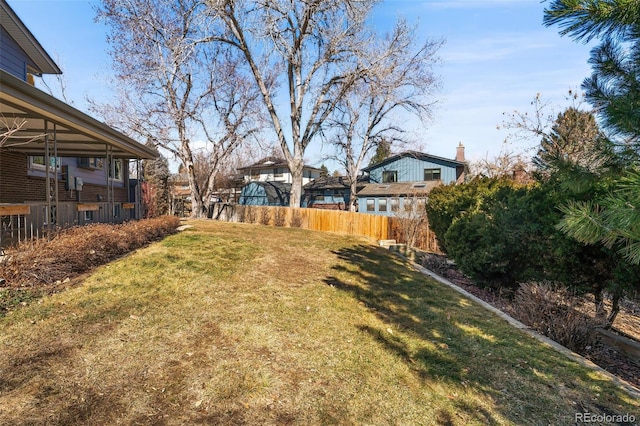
<point x="280" y="216"/>
<point x="552" y="311"/>
<point x="436" y="263"/>
<point x="296" y="219"/>
<point x="250" y="214"/>
<point x="265" y="216"/>
<point x="240" y="213"/>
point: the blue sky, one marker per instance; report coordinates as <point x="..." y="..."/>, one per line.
<point x="496" y="57"/>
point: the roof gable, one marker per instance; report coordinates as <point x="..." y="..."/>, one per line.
<point x="334" y="182"/>
<point x="418" y="156"/>
<point x="19" y="32"/>
<point x="271" y="162"/>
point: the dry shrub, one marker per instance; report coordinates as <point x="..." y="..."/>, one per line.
<point x="296" y="219"/>
<point x="250" y="214"/>
<point x="280" y="216"/>
<point x="553" y="311"/>
<point x="79" y="249"/>
<point x="436" y="263"/>
<point x="265" y="215"/>
<point x="240" y="212"/>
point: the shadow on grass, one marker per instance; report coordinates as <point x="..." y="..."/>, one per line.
<point x="446" y="339"/>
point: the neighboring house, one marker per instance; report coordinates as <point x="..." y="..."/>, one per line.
<point x="265" y="194"/>
<point x="268" y="182"/>
<point x="404" y="181"/>
<point x="330" y="192"/>
<point x="58" y="166"/>
<point x="274" y="169"/>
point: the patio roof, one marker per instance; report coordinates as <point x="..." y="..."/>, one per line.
<point x="76" y="133"/>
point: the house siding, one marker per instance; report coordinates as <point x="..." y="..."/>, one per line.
<point x="19" y="184"/>
<point x="412" y="170"/>
<point x="255" y="194"/>
<point x="12" y="58"/>
<point x="362" y="206"/>
<point x="268" y="175"/>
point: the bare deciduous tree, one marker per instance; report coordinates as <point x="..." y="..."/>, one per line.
<point x="312" y="48"/>
<point x="176" y="87"/>
<point x="506" y="164"/>
<point x="10" y="132"/>
<point x="412" y="218"/>
<point x="393" y="77"/>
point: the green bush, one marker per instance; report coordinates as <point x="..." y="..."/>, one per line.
<point x="448" y="202"/>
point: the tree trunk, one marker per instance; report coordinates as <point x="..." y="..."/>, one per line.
<point x="196" y="198"/>
<point x="615" y="308"/>
<point x="599" y="303"/>
<point x="353" y="199"/>
<point x="296" y="166"/>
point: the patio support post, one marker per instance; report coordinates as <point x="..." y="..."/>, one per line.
<point x="112" y="197"/>
<point x="108" y="168"/>
<point x="55" y="171"/>
<point x="138" y="192"/>
<point x="47" y="167"/>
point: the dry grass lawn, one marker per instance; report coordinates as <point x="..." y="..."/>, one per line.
<point x="244" y="324"/>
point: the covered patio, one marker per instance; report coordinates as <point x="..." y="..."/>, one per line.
<point x="35" y="124"/>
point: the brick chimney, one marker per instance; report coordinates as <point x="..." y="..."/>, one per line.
<point x="460" y="153"/>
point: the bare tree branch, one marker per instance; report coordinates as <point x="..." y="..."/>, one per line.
<point x="177" y="86"/>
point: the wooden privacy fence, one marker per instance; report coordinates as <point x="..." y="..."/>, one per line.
<point x="367" y="225"/>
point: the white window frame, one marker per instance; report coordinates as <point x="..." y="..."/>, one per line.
<point x="92" y="163"/>
<point x="112" y="170"/>
<point x="36" y="166"/>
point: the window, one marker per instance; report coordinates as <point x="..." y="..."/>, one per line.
<point x="431" y="174"/>
<point x="278" y="172"/>
<point x="390" y="176"/>
<point x="115" y="171"/>
<point x="37" y="162"/>
<point x="395" y="204"/>
<point x="88" y="215"/>
<point x="91" y="162"/>
<point x="116" y="210"/>
<point x="318" y="196"/>
<point x="371" y="205"/>
<point x="382" y="204"/>
<point x="339" y="193"/>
